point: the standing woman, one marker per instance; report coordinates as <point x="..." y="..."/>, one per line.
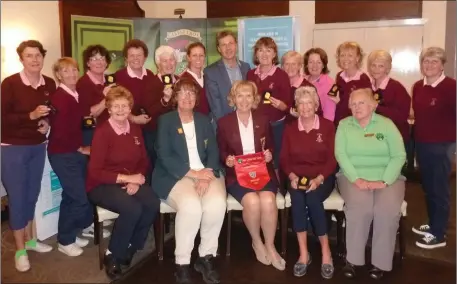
<point x="434" y="100"/>
<point x="349" y="57"/>
<point x="393" y="100"/>
<point x="92" y="87"/>
<point x="68" y="158"/>
<point x="24" y="128"/>
<point x="316" y="70"/>
<point x="274" y="83"/>
<point x="196" y="53"/>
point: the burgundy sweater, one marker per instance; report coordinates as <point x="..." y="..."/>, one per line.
<point x="395" y="105"/>
<point x="17" y="101"/>
<point x="91" y="94"/>
<point x="309" y="154"/>
<point x="139" y="88"/>
<point x="342" y="108"/>
<point x="66" y="132"/>
<point x="152" y="103"/>
<point x="113" y="154"/>
<point x="435" y="111"/>
<point x="203" y="105"/>
<point x="279" y="85"/>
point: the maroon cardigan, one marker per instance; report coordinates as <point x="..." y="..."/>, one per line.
<point x="229" y="141"/>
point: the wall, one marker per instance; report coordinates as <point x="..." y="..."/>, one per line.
<point x="450" y="68"/>
<point x="22" y="20"/>
<point x="165" y="9"/>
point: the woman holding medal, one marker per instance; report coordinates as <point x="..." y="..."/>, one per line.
<point x="187" y="176"/>
<point x="92" y="88"/>
<point x="68" y="158"/>
<point x="393" y="100"/>
<point x="246" y="132"/>
<point x="273" y="85"/>
<point x="308" y="160"/>
<point x="370" y="152"/>
<point x="349" y="57"/>
<point x="24" y="127"/>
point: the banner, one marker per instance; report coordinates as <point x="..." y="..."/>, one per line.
<point x="48" y="204"/>
<point x="251" y="171"/>
<point x="282" y="29"/>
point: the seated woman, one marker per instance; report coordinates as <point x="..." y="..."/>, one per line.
<point x="247" y="132"/>
<point x="116" y="180"/>
<point x="187" y="177"/>
<point x="308" y="152"/>
<point x="370" y="151"/>
<point x="68" y="158"/>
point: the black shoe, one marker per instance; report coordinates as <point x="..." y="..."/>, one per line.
<point x="112" y="267"/>
<point x="430" y="242"/>
<point x="349" y="270"/>
<point x="182" y="274"/>
<point x="128" y="260"/>
<point x="205" y="266"/>
<point x="376" y="273"/>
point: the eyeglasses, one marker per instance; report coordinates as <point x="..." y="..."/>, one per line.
<point x="184" y="94"/>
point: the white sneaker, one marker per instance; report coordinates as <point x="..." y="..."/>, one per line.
<point x="22" y="263"/>
<point x="40" y="247"/>
<point x="89" y="232"/>
<point x="71" y="249"/>
<point x="107" y="223"/>
<point x="81" y="242"/>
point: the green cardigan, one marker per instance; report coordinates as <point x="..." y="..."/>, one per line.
<point x="376" y="153"/>
<point x="172" y="156"/>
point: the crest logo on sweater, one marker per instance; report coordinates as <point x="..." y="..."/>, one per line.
<point x="271" y="86"/>
<point x="137" y="140"/>
<point x="433" y="102"/>
<point x="46" y="93"/>
<point x="319" y="138"/>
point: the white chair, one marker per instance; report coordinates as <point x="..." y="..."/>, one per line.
<point x="159" y="227"/>
<point x="100" y="215"/>
<point x="334" y="204"/>
<point x="234" y="205"/>
<point x="400" y="232"/>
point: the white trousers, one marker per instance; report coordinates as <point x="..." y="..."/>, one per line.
<point x="196" y="212"/>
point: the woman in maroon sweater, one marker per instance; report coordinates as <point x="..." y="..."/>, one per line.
<point x="349" y="57"/>
<point x="273" y="85"/>
<point x="92" y="87"/>
<point x="307" y="158"/>
<point x="24" y="128"/>
<point x="115" y="181"/>
<point x="434" y="100"/>
<point x="68" y="158"/>
<point x="393" y="100"/>
<point x="196" y="53"/>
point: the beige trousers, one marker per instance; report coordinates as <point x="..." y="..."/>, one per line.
<point x="196" y="212"/>
<point x="380" y="206"/>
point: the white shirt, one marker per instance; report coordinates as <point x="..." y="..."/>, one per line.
<point x="199" y="80"/>
<point x="247" y="136"/>
<point x="195" y="162"/>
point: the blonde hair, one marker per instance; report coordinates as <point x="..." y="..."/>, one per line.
<point x="433" y="52"/>
<point x="118" y="93"/>
<point x="292" y="54"/>
<point x="367" y="92"/>
<point x="350" y="45"/>
<point x="63" y="63"/>
<point x="379" y="55"/>
<point x="243" y="86"/>
<point x="307" y="92"/>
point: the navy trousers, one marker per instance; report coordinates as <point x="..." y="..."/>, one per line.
<point x="149" y="142"/>
<point x="76" y="212"/>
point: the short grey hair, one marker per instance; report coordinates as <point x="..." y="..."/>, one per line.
<point x="307" y="92"/>
<point x="433" y="52"/>
<point x="164" y="50"/>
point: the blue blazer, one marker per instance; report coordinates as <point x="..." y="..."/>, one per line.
<point x="172" y="162"/>
<point x="218" y="85"/>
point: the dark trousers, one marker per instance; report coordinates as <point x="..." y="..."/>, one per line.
<point x="22" y="171"/>
<point x="309" y="206"/>
<point x="277" y="128"/>
<point x="136" y="215"/>
<point x="76" y="212"/>
<point x="88" y="134"/>
<point x="149" y="142"/>
<point x="435" y="167"/>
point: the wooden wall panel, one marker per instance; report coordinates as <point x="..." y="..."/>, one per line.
<point x="229" y="9"/>
<point x="359" y="11"/>
<point x="98" y="8"/>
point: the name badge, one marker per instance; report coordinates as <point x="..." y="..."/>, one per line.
<point x="369" y="135"/>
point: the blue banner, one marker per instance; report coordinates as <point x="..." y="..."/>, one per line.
<point x="281" y="29"/>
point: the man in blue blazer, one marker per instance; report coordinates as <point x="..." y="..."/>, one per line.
<point x="220" y="75"/>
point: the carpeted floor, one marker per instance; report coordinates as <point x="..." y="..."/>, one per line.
<point x="55" y="267"/>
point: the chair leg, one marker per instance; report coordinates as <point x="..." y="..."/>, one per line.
<point x="98" y="231"/>
<point x="340" y="234"/>
<point x="157" y="234"/>
<point x="161" y="236"/>
<point x="283" y="231"/>
<point x="401" y="239"/>
<point x="229" y="233"/>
